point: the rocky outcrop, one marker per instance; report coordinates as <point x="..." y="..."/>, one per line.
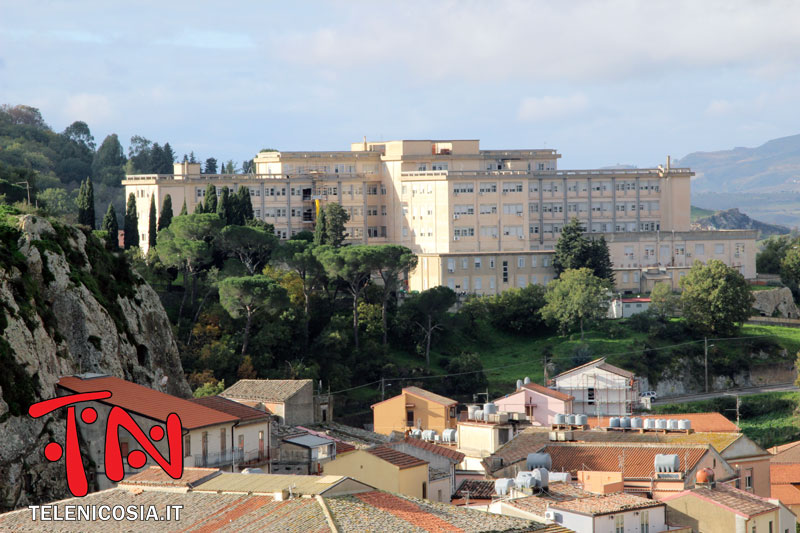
<point x="735" y="219"/>
<point x="67" y="306"/>
<point x="776" y="303"/>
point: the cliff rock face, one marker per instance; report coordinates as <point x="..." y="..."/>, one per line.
<point x="776" y="302"/>
<point x="67" y="306"/>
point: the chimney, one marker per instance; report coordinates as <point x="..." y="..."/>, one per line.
<point x="668" y="162"/>
<point x="365" y="143"/>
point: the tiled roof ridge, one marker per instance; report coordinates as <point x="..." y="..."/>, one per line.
<point x="395" y="457"/>
<point x="453" y="455"/>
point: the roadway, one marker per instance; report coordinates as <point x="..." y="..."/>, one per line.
<point x="742" y="391"/>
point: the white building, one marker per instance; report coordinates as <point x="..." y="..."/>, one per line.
<point x="599" y="388"/>
<point x="627" y="307"/>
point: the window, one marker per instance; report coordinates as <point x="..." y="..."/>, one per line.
<point x="491" y="262"/>
<point x="489" y="231"/>
<point x="625" y="277"/>
<point x="451" y="265"/>
<point x="241" y="443"/>
<point x="491" y="283"/>
<point x="222" y="440"/>
<point x="463" y="188"/>
<point x="533" y="261"/>
<point x="590" y="395"/>
<point x="409" y="418"/>
<point x="546" y="261"/>
<point x="619" y="523"/>
<point x="488" y="209"/>
<point x="465" y="283"/>
<point x="478" y="283"/>
<point x="644" y="521"/>
<point x="699" y="249"/>
<point x="505" y="271"/>
<point x="719" y="249"/>
<point x="748" y="479"/>
<point x="522" y="281"/>
<point x="463" y="209"/>
<point x="451" y="283"/>
<point x="488" y="187"/>
<point x="477" y="263"/>
<point x="187" y="445"/>
<point x="464" y="231"/>
<point x="521" y="261"/>
<point x="512" y="187"/>
<point x="464" y="263"/>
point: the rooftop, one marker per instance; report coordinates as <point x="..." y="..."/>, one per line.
<point x="240" y="411"/>
<point x="308" y="441"/>
<point x="427" y="395"/>
<point x="356" y="437"/>
<point x="478" y="489"/>
<point x="787" y="455"/>
<point x="452" y="454"/>
<point x="606" y="504"/>
<point x="704" y="422"/>
<point x="732" y="499"/>
<point x="784" y="473"/>
<point x="156" y="477"/>
<point x="148" y="402"/>
<point x="271" y="483"/>
<point x="786" y="493"/>
<point x="395" y="457"/>
<point x="556" y="493"/>
<point x="599" y="363"/>
<point x="265" y="390"/>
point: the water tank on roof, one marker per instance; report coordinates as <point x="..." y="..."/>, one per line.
<point x="416" y="433"/>
<point x="542" y="477"/>
<point x="667" y="463"/>
<point x="673" y="424"/>
<point x="661" y="423"/>
<point x="526" y="380"/>
<point x="624" y="422"/>
<point x="684" y="424"/>
<point x="571" y="420"/>
<point x="478" y="414"/>
<point x="582" y="420"/>
<point x="649" y="423"/>
<point x="519" y="384"/>
<point x="471" y="411"/>
<point x="503" y="486"/>
<point x="563" y="477"/>
<point x="613" y="422"/>
<point x="489" y="408"/>
<point x="636" y="422"/>
<point x="560" y="418"/>
<point x="429" y="434"/>
<point x="538" y="460"/>
<point x="449" y="435"/>
<point x="525" y="480"/>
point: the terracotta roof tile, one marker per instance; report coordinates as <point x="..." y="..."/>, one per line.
<point x="395" y="457"/>
<point x="239" y="410"/>
<point x="730" y="498"/>
<point x="606" y="503"/>
<point x="479" y="489"/>
<point x="541" y="389"/>
<point x="156" y="477"/>
<point x="454" y="455"/>
<point x="788" y="455"/>
<point x="784" y="473"/>
<point x="556" y="493"/>
<point x="638" y="459"/>
<point x="786" y="493"/>
<point x="347" y="438"/>
<point x="265" y="390"/>
<point x="783" y="447"/>
<point x="148" y="402"/>
<point x="702" y="422"/>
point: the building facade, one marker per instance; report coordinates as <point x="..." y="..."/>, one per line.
<point x="481" y="220"/>
<point x="414" y="408"/>
<point x="599" y="388"/>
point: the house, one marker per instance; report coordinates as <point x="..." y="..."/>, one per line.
<point x="414" y="408"/>
<point x="291" y="401"/>
<point x="627" y="307"/>
<point x="442" y="462"/>
<point x="599" y="388"/>
<point x="207" y="433"/>
<point x="719" y="508"/>
<point x="326" y="504"/>
<point x="479" y="438"/>
<point x="785" y="477"/>
<point x="304" y="454"/>
<point x="250" y="435"/>
<point x="384" y="468"/>
<point x="474" y="493"/>
<point x="540" y="404"/>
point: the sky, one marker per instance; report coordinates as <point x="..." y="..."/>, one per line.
<point x="610" y="82"/>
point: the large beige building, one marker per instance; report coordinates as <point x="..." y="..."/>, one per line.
<point x="481" y="220"/>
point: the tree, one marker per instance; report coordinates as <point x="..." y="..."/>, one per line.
<point x="769" y="259"/>
<point x="572" y="247"/>
<point x="320" y="229"/>
<point x="354" y="266"/>
<point x="152" y="224"/>
<point x="111" y="228"/>
<point x="109" y="162"/>
<point x="57" y="202"/>
<point x="184" y="211"/>
<point x="192" y="158"/>
<point x="211" y="166"/>
<point x="335" y="219"/>
<point x="577" y="297"/>
<point x="224" y="207"/>
<point x="131" y="225"/>
<point x="515" y="310"/>
<point x="211" y="199"/>
<point x="427" y="310"/>
<point x="663" y="301"/>
<point x="298" y="256"/>
<point x="393" y="260"/>
<point x="85" y="202"/>
<point x="78" y="132"/>
<point x="247" y="166"/>
<point x="245" y="296"/>
<point x="244" y="206"/>
<point x="252" y="246"/>
<point x="24" y="115"/>
<point x="165" y="218"/>
<point x="790" y="267"/>
<point x="467" y="374"/>
<point x="139" y="155"/>
<point x="599" y="259"/>
<point x="167" y="160"/>
<point x="715" y="298"/>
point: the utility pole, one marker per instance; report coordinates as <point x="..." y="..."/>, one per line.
<point x="738" y="403"/>
<point x="544" y="365"/>
<point x="383" y="390"/>
<point x="705" y="344"/>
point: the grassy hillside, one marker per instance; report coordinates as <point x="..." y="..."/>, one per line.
<point x="699" y="212"/>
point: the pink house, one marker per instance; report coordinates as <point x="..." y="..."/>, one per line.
<point x="539" y="403"/>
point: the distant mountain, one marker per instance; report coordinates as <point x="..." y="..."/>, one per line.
<point x="772" y="167"/>
<point x="734" y="219"/>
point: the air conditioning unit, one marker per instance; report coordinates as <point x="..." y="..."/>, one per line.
<point x="519" y="214"/>
<point x="550" y="515"/>
<point x="456" y="238"/>
<point x="521" y="237"/>
<point x="455" y="217"/>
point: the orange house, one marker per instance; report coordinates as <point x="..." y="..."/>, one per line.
<point x="414" y="408"/>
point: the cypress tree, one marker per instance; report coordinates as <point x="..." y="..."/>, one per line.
<point x="245" y="205"/>
<point x="131" y="223"/>
<point x="165" y="218"/>
<point x="184" y="211"/>
<point x="211" y="199"/>
<point x="320" y="229"/>
<point x="199" y="208"/>
<point x="224" y="208"/>
<point x="85" y="203"/>
<point x="111" y="228"/>
<point x="152" y="223"/>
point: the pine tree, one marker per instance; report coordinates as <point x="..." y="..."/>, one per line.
<point x="167" y="159"/>
<point x="572" y="248"/>
<point x="192" y="158"/>
<point x="85" y="203"/>
<point x="211" y="199"/>
<point x="211" y="166"/>
<point x="152" y="223"/>
<point x="111" y="228"/>
<point x="165" y="218"/>
<point x="224" y="208"/>
<point x="184" y="211"/>
<point x="600" y="259"/>
<point x="199" y="208"/>
<point x="131" y="223"/>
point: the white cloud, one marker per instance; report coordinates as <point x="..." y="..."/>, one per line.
<point x="90" y="108"/>
<point x="550" y="107"/>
